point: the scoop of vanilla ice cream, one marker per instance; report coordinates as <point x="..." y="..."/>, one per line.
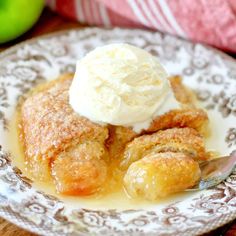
<point x="118" y="84"/>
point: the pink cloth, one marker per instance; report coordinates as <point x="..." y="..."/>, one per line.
<point x="208" y="21"/>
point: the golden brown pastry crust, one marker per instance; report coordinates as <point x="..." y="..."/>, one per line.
<point x="184" y="140"/>
<point x="49" y="123"/>
<point x="81" y="170"/>
<point x="187" y="117"/>
<point x="160" y="174"/>
<point x="50" y="127"/>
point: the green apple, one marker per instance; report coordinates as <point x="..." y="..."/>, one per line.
<point x="17" y="16"/>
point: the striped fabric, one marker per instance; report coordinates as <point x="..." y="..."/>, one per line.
<point x="208" y="21"/>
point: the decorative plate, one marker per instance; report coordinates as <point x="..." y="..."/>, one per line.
<point x="209" y="72"/>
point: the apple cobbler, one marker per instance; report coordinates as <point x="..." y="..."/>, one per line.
<point x="78" y="154"/>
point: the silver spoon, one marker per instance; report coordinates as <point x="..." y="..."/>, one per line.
<point x="215" y="171"/>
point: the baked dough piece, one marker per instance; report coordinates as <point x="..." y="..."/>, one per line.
<point x="161" y="174"/>
<point x="163" y="163"/>
<point x="184" y="140"/>
<point x="55" y="139"/>
<point x="187" y="117"/>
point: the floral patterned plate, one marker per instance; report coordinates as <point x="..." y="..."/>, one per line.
<point x="209" y="72"/>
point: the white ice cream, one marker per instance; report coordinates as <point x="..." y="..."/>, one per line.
<point x="119" y="84"/>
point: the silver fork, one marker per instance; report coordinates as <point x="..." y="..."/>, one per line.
<point x="215" y="171"/>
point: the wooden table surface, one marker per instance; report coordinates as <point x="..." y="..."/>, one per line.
<point x="51" y="22"/>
